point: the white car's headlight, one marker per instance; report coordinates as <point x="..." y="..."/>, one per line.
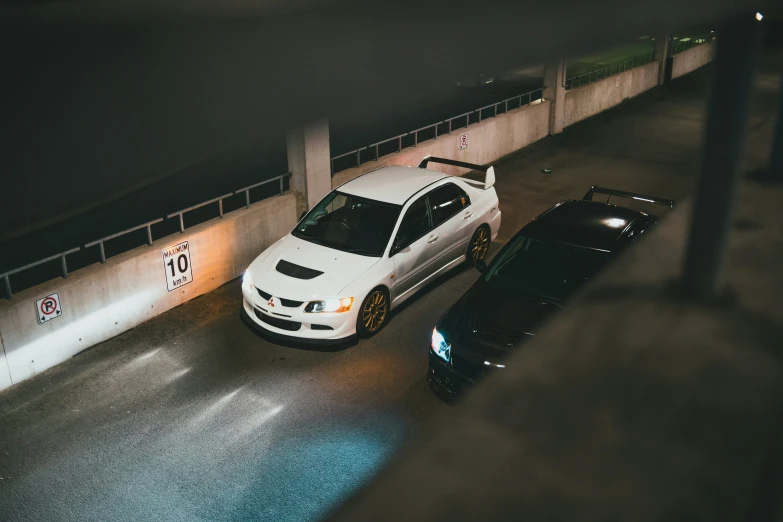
<point x="246" y="279"/>
<point x="342" y="304"/>
<point x="439" y="345"/>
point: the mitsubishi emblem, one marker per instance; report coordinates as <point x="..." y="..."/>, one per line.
<point x="271" y="302"/>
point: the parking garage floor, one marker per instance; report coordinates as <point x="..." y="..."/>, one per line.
<point x="191" y="416"/>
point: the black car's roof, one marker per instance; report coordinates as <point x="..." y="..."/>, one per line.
<point x="590" y="224"/>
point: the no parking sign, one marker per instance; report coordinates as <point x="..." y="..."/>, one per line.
<point x="47" y="308"/>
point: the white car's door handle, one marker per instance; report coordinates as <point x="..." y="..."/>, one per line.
<point x="467" y="214"/>
<point x="432" y="239"/>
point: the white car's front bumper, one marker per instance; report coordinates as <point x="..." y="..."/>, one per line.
<point x="295" y="322"/>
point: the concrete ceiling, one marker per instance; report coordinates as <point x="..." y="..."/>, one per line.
<point x="125" y="77"/>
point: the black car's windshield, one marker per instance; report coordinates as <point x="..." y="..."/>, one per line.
<point x="544" y="269"/>
<point x="350" y="223"/>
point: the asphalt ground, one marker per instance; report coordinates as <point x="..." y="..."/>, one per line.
<point x="192" y="416"/>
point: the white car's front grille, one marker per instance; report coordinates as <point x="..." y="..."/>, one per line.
<point x="289" y="303"/>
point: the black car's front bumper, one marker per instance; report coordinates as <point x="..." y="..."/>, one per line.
<point x="444" y="379"/>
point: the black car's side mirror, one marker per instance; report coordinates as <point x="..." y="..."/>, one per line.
<point x="480" y="265"/>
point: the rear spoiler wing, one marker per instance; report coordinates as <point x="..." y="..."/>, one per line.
<point x="630" y="195"/>
<point x="489" y="179"/>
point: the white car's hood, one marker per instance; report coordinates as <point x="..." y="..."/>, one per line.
<point x="339" y="269"/>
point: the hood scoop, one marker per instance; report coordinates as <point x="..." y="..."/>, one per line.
<point x="296" y="271"/>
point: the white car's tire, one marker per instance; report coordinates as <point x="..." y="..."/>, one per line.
<point x="374" y="312"/>
<point x="478" y="246"/>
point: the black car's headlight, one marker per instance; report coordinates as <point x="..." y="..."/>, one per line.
<point x="439" y="345"/>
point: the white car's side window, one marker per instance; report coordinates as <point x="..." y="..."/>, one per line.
<point x="415" y="223"/>
<point x="465" y="197"/>
<point x="445" y="202"/>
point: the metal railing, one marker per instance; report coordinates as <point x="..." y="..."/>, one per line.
<point x="247" y="189"/>
<point x="609" y="70"/>
<point x="678" y="47"/>
<point x="101" y="241"/>
<point x="148" y="226"/>
<point x="181" y="213"/>
<point x="412" y="138"/>
<point x="63" y="266"/>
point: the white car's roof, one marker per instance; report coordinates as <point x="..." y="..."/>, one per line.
<point x="392" y="184"/>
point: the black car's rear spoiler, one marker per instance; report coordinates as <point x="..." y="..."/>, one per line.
<point x="631" y="195"/>
<point x="489" y="180"/>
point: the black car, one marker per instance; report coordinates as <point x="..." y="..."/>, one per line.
<point x="531" y="277"/>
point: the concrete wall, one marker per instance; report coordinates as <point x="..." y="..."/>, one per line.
<point x="488" y="141"/>
<point x="596" y="97"/>
<point x="494" y="138"/>
<point x="692" y="59"/>
<point x="102" y="301"/>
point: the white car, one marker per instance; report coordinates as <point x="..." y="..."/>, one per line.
<point x="366" y="247"/>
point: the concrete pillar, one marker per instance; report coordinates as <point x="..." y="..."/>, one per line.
<point x="309" y="162"/>
<point x="663" y="53"/>
<point x="554" y="91"/>
<point x="724" y="136"/>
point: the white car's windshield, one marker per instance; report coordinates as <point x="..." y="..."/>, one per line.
<point x="350" y="223"/>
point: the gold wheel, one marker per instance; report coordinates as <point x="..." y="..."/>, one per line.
<point x="479" y="245"/>
<point x="374" y="311"/>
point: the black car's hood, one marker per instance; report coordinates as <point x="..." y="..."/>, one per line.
<point x="489" y="321"/>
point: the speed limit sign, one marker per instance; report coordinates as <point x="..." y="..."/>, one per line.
<point x="176" y="264"/>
